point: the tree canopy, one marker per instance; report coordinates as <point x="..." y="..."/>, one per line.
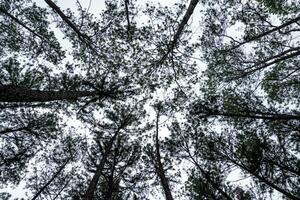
<point x="192" y="100"/>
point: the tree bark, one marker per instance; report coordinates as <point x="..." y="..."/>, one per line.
<point x="11" y="93"/>
<point x="159" y="166"/>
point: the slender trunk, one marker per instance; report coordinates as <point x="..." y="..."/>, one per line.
<point x="10" y="130"/>
<point x="60" y="191"/>
<point x="10" y="93"/>
<point x="89" y="195"/>
<point x="108" y="194"/>
<point x="159" y="167"/>
<point x="263" y="180"/>
<point x="267" y="32"/>
<point x="82" y="37"/>
<point x="20" y="23"/>
<point x="180" y="29"/>
<point x="50" y="181"/>
<point x="265" y="116"/>
<point x="65" y="18"/>
<point x="283" y="167"/>
<point x="184" y="21"/>
<point x="111" y="184"/>
<point x="128" y="19"/>
<point x="275" y="56"/>
<point x="207" y="177"/>
<point x="256" y="67"/>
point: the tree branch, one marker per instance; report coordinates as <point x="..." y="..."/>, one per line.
<point x="20" y="23"/>
<point x="50" y="181"/>
<point x="264" y="64"/>
<point x="295" y="20"/>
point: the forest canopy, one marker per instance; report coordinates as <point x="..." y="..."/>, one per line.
<point x="126" y="99"/>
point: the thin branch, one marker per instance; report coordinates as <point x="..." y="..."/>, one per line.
<point x="206" y="174"/>
<point x="20" y="23"/>
<point x="241" y="179"/>
<point x="265" y="65"/>
<point x="295" y="20"/>
<point x="50" y="181"/>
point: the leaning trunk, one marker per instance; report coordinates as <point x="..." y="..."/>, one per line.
<point x="50" y="181"/>
<point x="10" y="93"/>
<point x="208" y="178"/>
<point x="89" y="195"/>
<point x="264" y="180"/>
<point x="159" y="167"/>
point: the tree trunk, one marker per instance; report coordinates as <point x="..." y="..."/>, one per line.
<point x="60" y="191"/>
<point x="180" y="29"/>
<point x="252" y="115"/>
<point x="89" y="195"/>
<point x="263" y="180"/>
<point x="65" y="18"/>
<point x="256" y="67"/>
<point x="159" y="167"/>
<point x="267" y="32"/>
<point x="82" y="37"/>
<point x="11" y="93"/>
<point x="207" y="177"/>
<point x="20" y="23"/>
<point x="110" y="183"/>
<point x="50" y="181"/>
<point x="10" y="130"/>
